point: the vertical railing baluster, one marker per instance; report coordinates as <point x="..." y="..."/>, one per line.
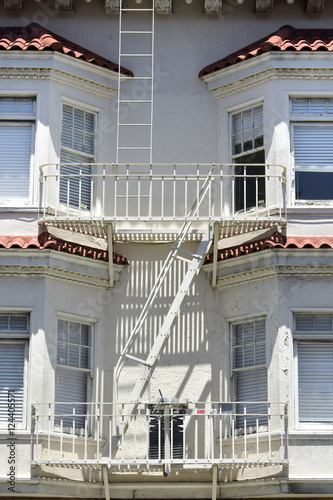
<point x="185" y="195"/>
<point x="244" y="188"/>
<point x="134" y="430"/>
<point x="269" y="431"/>
<point x="233" y="195"/>
<point x="49" y="434"/>
<point x="159" y="437"/>
<point x="85" y="437"/>
<point x="122" y="431"/>
<point x="37" y="437"/>
<point x="110" y="435"/>
<point x="245" y="432"/>
<point x="127" y="191"/>
<point x="73" y="433"/>
<point x="147" y="433"/>
<point x="162" y="197"/>
<point x="196" y="434"/>
<point x="68" y="188"/>
<point x="139" y="197"/>
<point x="257" y="436"/>
<point x="257" y="195"/>
<point x="150" y="214"/>
<point x="174" y="202"/>
<point x="233" y="435"/>
<point x="267" y="191"/>
<point x="61" y="436"/>
<point x="103" y="191"/>
<point x="80" y="191"/>
<point x="98" y="423"/>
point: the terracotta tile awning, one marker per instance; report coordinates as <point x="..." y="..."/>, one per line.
<point x="35" y="37"/>
<point x="47" y="241"/>
<point x="286" y="38"/>
<point x="277" y="240"/>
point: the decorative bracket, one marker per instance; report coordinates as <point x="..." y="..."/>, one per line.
<point x="163" y="6"/>
<point x="212" y="6"/>
<point x="64" y="5"/>
<point x="314" y="6"/>
<point x="264" y="6"/>
<point x="112" y="6"/>
<point x="13" y="5"/>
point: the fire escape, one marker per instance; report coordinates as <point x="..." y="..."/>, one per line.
<point x="135" y="199"/>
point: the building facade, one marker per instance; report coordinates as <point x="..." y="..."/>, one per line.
<point x="166" y="262"/>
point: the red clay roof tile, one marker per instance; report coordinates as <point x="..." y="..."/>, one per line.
<point x="47" y="241"/>
<point x="286" y="38"/>
<point x="35" y="37"/>
<point x="276" y="240"/>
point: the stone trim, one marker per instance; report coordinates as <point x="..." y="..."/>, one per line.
<point x="61" y="77"/>
<point x="50" y="272"/>
<point x="270" y="74"/>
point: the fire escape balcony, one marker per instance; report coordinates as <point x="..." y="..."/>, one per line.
<point x="177" y="435"/>
<point x="150" y="202"/>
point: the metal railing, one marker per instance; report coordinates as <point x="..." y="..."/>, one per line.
<point x="161" y="192"/>
<point x="168" y="433"/>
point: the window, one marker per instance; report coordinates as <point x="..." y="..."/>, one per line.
<point x="247" y="137"/>
<point x="314" y="347"/>
<point x="17" y="118"/>
<point x="73" y="368"/>
<point x="77" y="147"/>
<point x="249" y="371"/>
<point x="14" y="336"/>
<point x="174" y="420"/>
<point x="313" y="148"/>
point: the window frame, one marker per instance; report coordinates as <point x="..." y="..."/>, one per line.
<point x="23" y="119"/>
<point x="72" y="151"/>
<point x="234" y="370"/>
<point x="244" y="167"/>
<point x="90" y="371"/>
<point x="15" y="337"/>
<point x="307" y="120"/>
<point x="313" y="339"/>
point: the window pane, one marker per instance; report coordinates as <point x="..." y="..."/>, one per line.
<point x="314" y="185"/>
<point x="313" y="146"/>
<point x="74" y="333"/>
<point x="18" y="323"/>
<point x="4" y="323"/>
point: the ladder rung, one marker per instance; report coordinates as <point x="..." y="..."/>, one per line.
<point x="135" y="148"/>
<point x="136" y="55"/>
<point x="183" y="258"/>
<point x="136" y="100"/>
<point x="179" y="249"/>
<point x="137" y="10"/>
<point x="134" y="124"/>
<point x="137" y="360"/>
<point x="136" y="78"/>
<point x="128" y="32"/>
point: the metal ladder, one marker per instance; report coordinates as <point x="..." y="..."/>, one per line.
<point x="194" y="261"/>
<point x="135" y="94"/>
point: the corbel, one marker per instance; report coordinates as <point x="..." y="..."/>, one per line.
<point x="314" y="6"/>
<point x="264" y="6"/>
<point x="13" y="5"/>
<point x="64" y="5"/>
<point x="212" y="6"/>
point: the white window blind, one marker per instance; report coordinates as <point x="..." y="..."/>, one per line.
<point x="73" y="367"/>
<point x="17" y="116"/>
<point x="77" y="153"/>
<point x="313" y="334"/>
<point x="313" y="148"/>
<point x="315" y="382"/>
<point x="12" y="378"/>
<point x="250" y="373"/>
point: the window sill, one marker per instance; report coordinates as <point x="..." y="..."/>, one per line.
<point x="18" y="208"/>
<point x="311" y="433"/>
